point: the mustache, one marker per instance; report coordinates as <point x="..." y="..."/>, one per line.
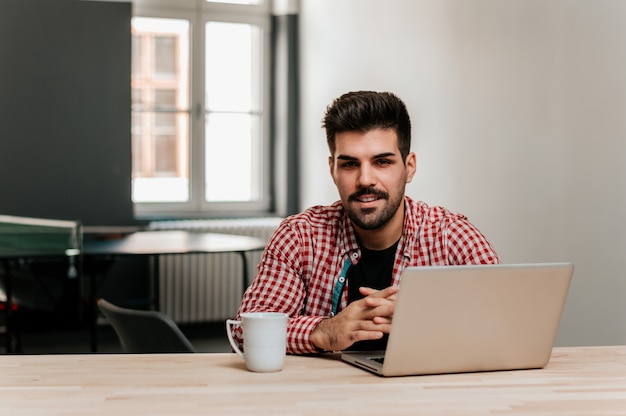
<point x="368" y="191"/>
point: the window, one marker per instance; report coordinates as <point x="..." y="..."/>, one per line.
<point x="161" y="111"/>
<point x="200" y="124"/>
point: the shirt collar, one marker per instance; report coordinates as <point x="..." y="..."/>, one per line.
<point x="410" y="229"/>
<point x="347" y="238"/>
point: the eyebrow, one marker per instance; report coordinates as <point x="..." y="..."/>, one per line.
<point x="378" y="156"/>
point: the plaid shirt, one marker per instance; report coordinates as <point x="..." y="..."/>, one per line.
<point x="305" y="256"/>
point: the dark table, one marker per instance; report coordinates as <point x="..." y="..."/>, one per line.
<point x="103" y="247"/>
<point x="156" y="243"/>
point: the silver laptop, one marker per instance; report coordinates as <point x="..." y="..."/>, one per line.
<point x="454" y="319"/>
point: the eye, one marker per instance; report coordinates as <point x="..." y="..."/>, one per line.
<point x="383" y="162"/>
<point x="349" y="164"/>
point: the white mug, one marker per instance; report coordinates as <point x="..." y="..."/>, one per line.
<point x="264" y="340"/>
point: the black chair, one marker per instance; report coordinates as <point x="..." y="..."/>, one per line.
<point x="145" y="331"/>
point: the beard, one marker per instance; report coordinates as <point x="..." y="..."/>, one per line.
<point x="372" y="218"/>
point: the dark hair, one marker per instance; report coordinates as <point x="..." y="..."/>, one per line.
<point x="368" y="110"/>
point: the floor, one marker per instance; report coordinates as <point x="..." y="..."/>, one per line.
<point x="209" y="337"/>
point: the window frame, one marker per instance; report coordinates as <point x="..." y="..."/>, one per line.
<point x="198" y="13"/>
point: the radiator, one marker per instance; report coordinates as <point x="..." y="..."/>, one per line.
<point x="207" y="287"/>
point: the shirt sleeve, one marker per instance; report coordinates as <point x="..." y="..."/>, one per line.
<point x="279" y="286"/>
<point x="466" y="244"/>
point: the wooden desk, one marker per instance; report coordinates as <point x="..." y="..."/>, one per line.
<point x="577" y="381"/>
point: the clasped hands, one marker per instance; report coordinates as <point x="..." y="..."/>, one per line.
<point x="364" y="319"/>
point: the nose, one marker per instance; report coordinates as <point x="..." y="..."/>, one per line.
<point x="367" y="176"/>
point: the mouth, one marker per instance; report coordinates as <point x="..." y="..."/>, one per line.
<point x="367" y="197"/>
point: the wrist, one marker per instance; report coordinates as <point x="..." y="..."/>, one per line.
<point x="319" y="337"/>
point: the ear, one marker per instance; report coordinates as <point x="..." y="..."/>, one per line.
<point x="411" y="166"/>
<point x="331" y="167"/>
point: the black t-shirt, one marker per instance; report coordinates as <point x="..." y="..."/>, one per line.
<point x="373" y="270"/>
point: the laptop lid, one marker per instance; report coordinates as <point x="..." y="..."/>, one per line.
<point x="452" y="319"/>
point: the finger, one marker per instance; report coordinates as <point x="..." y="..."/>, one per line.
<point x="381" y="311"/>
<point x="371" y="326"/>
<point x="372" y="300"/>
<point x="384" y="293"/>
<point x="379" y="302"/>
<point x="366" y="291"/>
<point x="367" y="335"/>
<point x="382" y="320"/>
<point x="380" y="315"/>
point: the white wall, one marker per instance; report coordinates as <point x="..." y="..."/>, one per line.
<point x="519" y="113"/>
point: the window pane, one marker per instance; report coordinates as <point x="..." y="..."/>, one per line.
<point x="165" y="98"/>
<point x="233" y="129"/>
<point x="135" y="58"/>
<point x="160" y="190"/>
<point x="165" y="56"/>
<point x="160" y="98"/>
<point x="135" y="97"/>
<point x="232" y="159"/>
<point x="230" y="66"/>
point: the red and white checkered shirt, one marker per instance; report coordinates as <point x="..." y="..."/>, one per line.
<point x="304" y="258"/>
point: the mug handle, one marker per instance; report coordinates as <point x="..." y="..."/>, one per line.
<point x="232" y="342"/>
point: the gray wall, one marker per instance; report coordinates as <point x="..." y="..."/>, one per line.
<point x="519" y="109"/>
<point x="65" y="147"/>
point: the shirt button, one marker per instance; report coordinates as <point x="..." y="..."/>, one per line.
<point x="355" y="255"/>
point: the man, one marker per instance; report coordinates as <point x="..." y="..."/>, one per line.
<point x="335" y="269"/>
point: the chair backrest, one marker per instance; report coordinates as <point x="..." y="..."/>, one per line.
<point x="145" y="331"/>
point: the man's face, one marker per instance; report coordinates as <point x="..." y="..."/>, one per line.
<point x="370" y="176"/>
